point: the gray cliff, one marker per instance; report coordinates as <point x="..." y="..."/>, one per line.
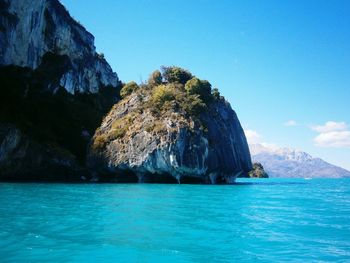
<point x="29" y="29"/>
<point x="22" y="158"/>
<point x="55" y="90"/>
<point x="138" y="143"/>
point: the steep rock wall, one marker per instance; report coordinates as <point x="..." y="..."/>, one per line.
<point x="29" y="29"/>
<point x="55" y="90"/>
<point x="179" y="151"/>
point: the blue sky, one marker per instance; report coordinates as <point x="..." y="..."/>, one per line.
<point x="274" y="61"/>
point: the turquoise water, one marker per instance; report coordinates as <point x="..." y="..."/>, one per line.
<point x="265" y="220"/>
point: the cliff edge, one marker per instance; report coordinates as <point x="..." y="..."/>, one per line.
<point x="54" y="91"/>
<point x="31" y="29"/>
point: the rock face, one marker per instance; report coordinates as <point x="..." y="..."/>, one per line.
<point x="29" y="29"/>
<point x="258" y="171"/>
<point x="138" y="143"/>
<point x="286" y="162"/>
<point x="54" y="91"/>
<point x="22" y="158"/>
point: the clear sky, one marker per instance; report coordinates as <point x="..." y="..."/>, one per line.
<point x="283" y="65"/>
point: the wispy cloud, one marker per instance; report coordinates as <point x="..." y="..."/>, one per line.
<point x="338" y="139"/>
<point x="253" y="137"/>
<point x="291" y="123"/>
<point x="332" y="134"/>
<point x="330" y="126"/>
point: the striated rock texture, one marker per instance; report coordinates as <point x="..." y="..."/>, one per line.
<point x="30" y="29"/>
<point x="54" y="91"/>
<point x="44" y="135"/>
<point x="165" y="133"/>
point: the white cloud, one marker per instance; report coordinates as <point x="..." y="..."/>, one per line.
<point x="270" y="146"/>
<point x="253" y="137"/>
<point x="330" y="126"/>
<point x="291" y="123"/>
<point x="336" y="139"/>
<point x="332" y="134"/>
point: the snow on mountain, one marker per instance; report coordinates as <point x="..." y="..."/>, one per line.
<point x="287" y="162"/>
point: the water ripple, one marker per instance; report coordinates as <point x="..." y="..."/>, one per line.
<point x="262" y="220"/>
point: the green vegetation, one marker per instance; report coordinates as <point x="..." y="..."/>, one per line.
<point x="155" y="79"/>
<point x="176" y="74"/>
<point x="193" y="105"/>
<point x="128" y="88"/>
<point x="171" y="91"/>
<point x="176" y="89"/>
<point x="121" y="126"/>
<point x="199" y="87"/>
<point x="156" y="127"/>
<point x="162" y="95"/>
<point x="172" y="96"/>
<point x="258" y="171"/>
<point x="99" y="142"/>
<point x="216" y="94"/>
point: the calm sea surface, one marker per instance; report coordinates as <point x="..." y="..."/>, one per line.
<point x="265" y="220"/>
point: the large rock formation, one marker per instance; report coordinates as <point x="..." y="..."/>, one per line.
<point x="54" y="91"/>
<point x="29" y="29"/>
<point x="165" y="133"/>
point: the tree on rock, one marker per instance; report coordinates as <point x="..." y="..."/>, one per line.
<point x="155" y="78"/>
<point x="176" y="74"/>
<point x="216" y="93"/>
<point x="199" y="87"/>
<point x="128" y="89"/>
<point x="258" y="171"/>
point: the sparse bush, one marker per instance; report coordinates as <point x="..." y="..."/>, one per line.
<point x="121" y="126"/>
<point x="174" y="96"/>
<point x="161" y="95"/>
<point x="128" y="89"/>
<point x="193" y="105"/>
<point x="199" y="87"/>
<point x="176" y="74"/>
<point x="155" y="78"/>
<point x="159" y="127"/>
<point x="155" y="127"/>
<point x="99" y="142"/>
<point x="258" y="171"/>
<point x="149" y="127"/>
<point x="216" y="94"/>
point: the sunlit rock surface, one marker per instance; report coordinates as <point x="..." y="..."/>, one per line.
<point x="172" y="146"/>
<point x="32" y="28"/>
<point x="54" y="91"/>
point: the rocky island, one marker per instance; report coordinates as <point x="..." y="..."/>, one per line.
<point x="258" y="171"/>
<point x="175" y="128"/>
<point x="56" y="90"/>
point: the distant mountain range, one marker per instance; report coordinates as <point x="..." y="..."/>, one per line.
<point x="287" y="162"/>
